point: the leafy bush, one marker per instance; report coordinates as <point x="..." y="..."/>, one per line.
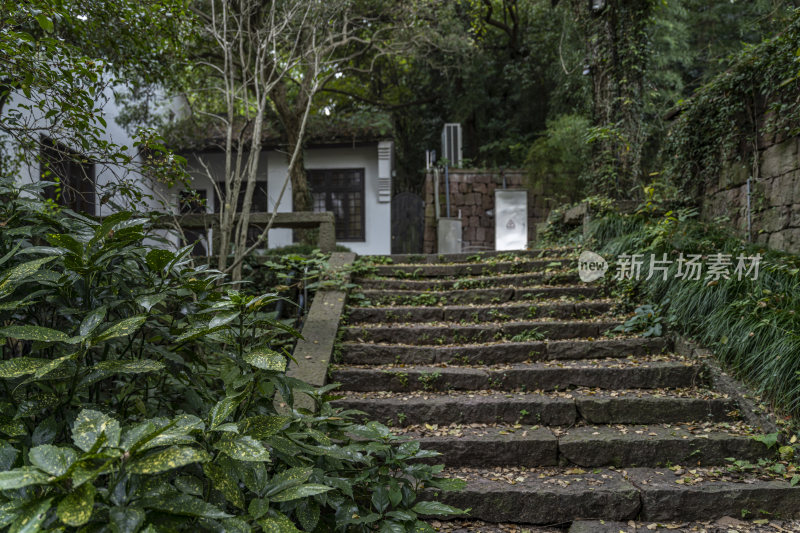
<point x="557" y="159"/>
<point x="138" y="395"/>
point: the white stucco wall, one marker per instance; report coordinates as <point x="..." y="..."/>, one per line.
<point x="273" y="167"/>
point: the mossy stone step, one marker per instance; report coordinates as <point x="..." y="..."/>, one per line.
<point x="357" y="353"/>
<point x="530" y="376"/>
<point x="540" y="409"/>
<point x="470" y="269"/>
<point x="471" y="257"/>
<point x="585" y="446"/>
<point x="559" y="496"/>
<point x="478" y="296"/>
<point x="456" y="313"/>
<point x="471" y="282"/>
<point x="485" y="332"/>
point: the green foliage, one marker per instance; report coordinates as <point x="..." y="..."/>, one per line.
<point x="137" y="393"/>
<point x="646" y="320"/>
<point x="751" y="325"/>
<point x="723" y="120"/>
<point x="557" y="159"/>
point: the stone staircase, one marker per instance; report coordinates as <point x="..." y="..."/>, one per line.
<point x="500" y="362"/>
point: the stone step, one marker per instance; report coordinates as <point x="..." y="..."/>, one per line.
<point x="477" y="296"/>
<point x="723" y="524"/>
<point x="553" y="409"/>
<point x="449" y="333"/>
<point x="562" y="496"/>
<point x="586" y="446"/>
<point x="610" y="374"/>
<point x="472" y="282"/>
<point x="355" y="353"/>
<point x="424" y="270"/>
<point x="483" y="313"/>
<point x="471" y="257"/>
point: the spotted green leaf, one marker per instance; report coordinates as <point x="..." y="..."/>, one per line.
<point x="277" y="523"/>
<point x="168" y="459"/>
<point x="22" y="477"/>
<point x="126" y="519"/>
<point x="308" y="512"/>
<point x="129" y="367"/>
<point x="224" y="483"/>
<point x="9" y="278"/>
<point x="263" y="426"/>
<point x="92" y="320"/>
<point x="182" y="504"/>
<point x="158" y="258"/>
<point x="31" y="517"/>
<point x="53" y="365"/>
<point x="288" y="478"/>
<point x="148" y="301"/>
<point x="55" y="460"/>
<point x="88" y="427"/>
<point x="266" y="359"/>
<point x="76" y="507"/>
<point x="242" y="447"/>
<point x="20" y="366"/>
<point x="301" y="491"/>
<point x="222" y="410"/>
<point x="126" y="326"/>
<point x="34" y="333"/>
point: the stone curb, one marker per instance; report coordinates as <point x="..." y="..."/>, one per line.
<point x="723" y="382"/>
<point x="313" y="352"/>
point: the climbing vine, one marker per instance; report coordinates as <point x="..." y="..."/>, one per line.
<point x="733" y="115"/>
<point x="618" y="49"/>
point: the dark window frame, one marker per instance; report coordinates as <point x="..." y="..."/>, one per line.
<point x="320" y="174"/>
<point x="76" y="173"/>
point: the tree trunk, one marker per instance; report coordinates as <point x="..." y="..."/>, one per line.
<point x="291" y="117"/>
<point x="617" y="50"/>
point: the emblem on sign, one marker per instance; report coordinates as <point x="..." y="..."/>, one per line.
<point x="511" y="224"/>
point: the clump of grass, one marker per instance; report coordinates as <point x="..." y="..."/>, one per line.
<point x="751" y="325"/>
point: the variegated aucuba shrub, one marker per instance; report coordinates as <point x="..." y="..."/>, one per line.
<point x="136" y="394"/>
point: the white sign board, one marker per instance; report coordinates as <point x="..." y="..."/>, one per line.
<point x="511" y="219"/>
<point x="449" y="233"/>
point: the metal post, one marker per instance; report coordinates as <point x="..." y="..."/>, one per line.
<point x="749" y="218"/>
<point x="447" y="188"/>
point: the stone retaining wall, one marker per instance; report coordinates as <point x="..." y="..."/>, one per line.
<point x="472" y="193"/>
<point x="775" y="194"/>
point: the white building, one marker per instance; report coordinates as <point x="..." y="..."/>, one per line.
<point x="349" y="176"/>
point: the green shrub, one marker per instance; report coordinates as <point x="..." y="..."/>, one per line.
<point x="138" y="395"/>
<point x="557" y="159"/>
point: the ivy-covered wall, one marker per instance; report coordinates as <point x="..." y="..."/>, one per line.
<point x="774" y="196"/>
<point x="743" y="124"/>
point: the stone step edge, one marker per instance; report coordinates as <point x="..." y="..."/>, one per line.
<point x="454" y="257"/>
<point x="590" y="447"/>
<point x="540" y="409"/>
<point x="646" y="375"/>
<point x="628" y="494"/>
<point x="478" y="313"/>
<point x="507" y="352"/>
